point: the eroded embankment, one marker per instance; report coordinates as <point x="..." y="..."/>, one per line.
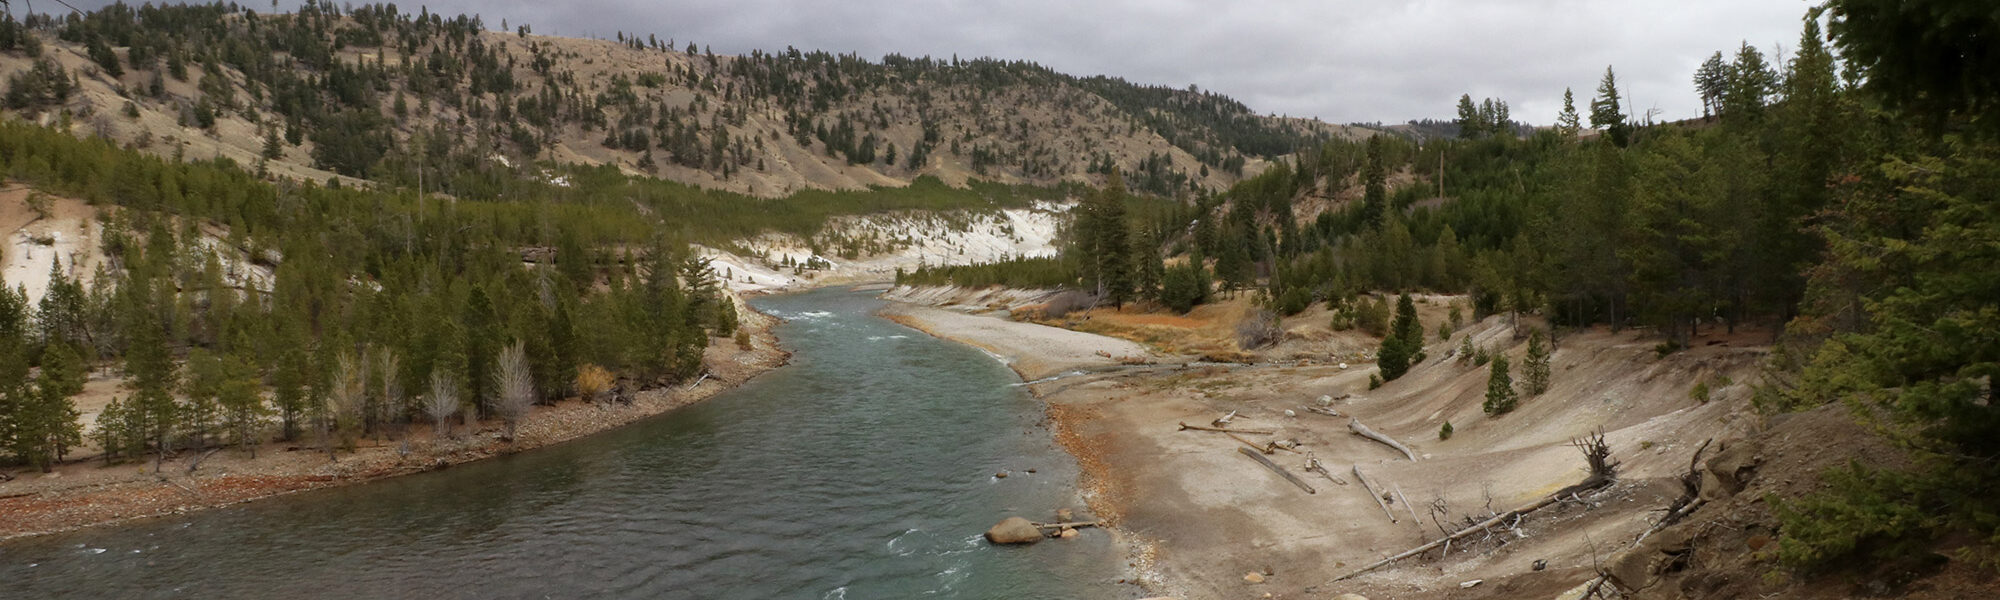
<point x="1212" y="516"/>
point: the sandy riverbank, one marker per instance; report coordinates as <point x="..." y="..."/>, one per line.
<point x="1201" y="516"/>
<point x="1033" y="351"/>
<point x="88" y="493"/>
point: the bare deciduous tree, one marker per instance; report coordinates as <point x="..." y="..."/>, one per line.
<point x="389" y="401"/>
<point x="516" y="386"/>
<point x="345" y="399"/>
<point x="442" y="402"/>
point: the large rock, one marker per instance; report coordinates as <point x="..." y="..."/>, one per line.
<point x="1640" y="567"/>
<point x="1730" y="470"/>
<point x="1014" y="530"/>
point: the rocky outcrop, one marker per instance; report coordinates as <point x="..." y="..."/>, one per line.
<point x="1730" y="470"/>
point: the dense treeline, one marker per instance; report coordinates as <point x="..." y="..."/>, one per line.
<point x="222" y="287"/>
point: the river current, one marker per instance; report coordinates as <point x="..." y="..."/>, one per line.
<point x="864" y="469"/>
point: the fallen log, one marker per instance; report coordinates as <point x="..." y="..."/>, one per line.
<point x="1224" y="420"/>
<point x="1324" y="411"/>
<point x="1185" y="427"/>
<point x="1070" y="525"/>
<point x="1372" y="494"/>
<point x="1313" y="464"/>
<point x="1355" y="426"/>
<point x="1280" y="470"/>
<point x="1252" y="445"/>
<point x="1477" y="527"/>
<point x="1406" y="506"/>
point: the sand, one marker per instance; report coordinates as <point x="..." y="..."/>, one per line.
<point x="1034" y="351"/>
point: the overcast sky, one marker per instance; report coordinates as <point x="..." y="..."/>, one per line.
<point x="1338" y="60"/>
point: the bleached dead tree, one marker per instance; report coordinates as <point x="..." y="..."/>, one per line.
<point x="516" y="386"/>
<point x="389" y="401"/>
<point x="345" y="402"/>
<point x="442" y="402"/>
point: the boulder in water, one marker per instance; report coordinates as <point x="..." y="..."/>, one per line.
<point x="1014" y="530"/>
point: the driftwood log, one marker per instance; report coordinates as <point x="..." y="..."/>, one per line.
<point x="1324" y="411"/>
<point x="1224" y="420"/>
<point x="1280" y="470"/>
<point x="1253" y="445"/>
<point x="1355" y="426"/>
<point x="1185" y="427"/>
<point x="1603" y="471"/>
<point x="1313" y="464"/>
<point x="1372" y="494"/>
<point x="1406" y="506"/>
<point x="1068" y="525"/>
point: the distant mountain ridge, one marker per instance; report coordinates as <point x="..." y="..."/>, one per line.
<point x="427" y="100"/>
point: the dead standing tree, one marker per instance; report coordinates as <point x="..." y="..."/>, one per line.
<point x="516" y="386"/>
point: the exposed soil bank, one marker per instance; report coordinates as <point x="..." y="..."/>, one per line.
<point x="1201" y="516"/>
<point x="88" y="493"/>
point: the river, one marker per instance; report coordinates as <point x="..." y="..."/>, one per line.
<point x="864" y="469"/>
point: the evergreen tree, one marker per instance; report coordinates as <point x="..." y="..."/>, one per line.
<point x="1500" y="396"/>
<point x="1567" y="122"/>
<point x="48" y="425"/>
<point x="1404" y="346"/>
<point x="1470" y="125"/>
<point x="1375" y="190"/>
<point x="1710" y="81"/>
<point x="1750" y="84"/>
<point x="482" y="343"/>
<point x="1605" y="112"/>
<point x="1535" y="368"/>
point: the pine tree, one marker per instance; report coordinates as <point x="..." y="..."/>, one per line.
<point x="1469" y="123"/>
<point x="481" y="330"/>
<point x="1500" y="396"/>
<point x="1535" y="368"/>
<point x="1567" y="122"/>
<point x="1404" y="346"/>
<point x="1710" y="81"/>
<point x="1605" y="112"/>
<point x="1375" y="191"/>
<point x="242" y="400"/>
<point x="1749" y="86"/>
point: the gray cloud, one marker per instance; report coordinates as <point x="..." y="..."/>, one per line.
<point x="1338" y="60"/>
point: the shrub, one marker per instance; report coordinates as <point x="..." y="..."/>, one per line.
<point x="1257" y="330"/>
<point x="1444" y="433"/>
<point x="592" y="380"/>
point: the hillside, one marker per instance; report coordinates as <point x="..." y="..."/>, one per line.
<point x="375" y="93"/>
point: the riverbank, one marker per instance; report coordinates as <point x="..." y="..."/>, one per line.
<point x="1201" y="518"/>
<point x="87" y="493"/>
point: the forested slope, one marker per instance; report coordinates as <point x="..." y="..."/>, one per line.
<point x="442" y="101"/>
